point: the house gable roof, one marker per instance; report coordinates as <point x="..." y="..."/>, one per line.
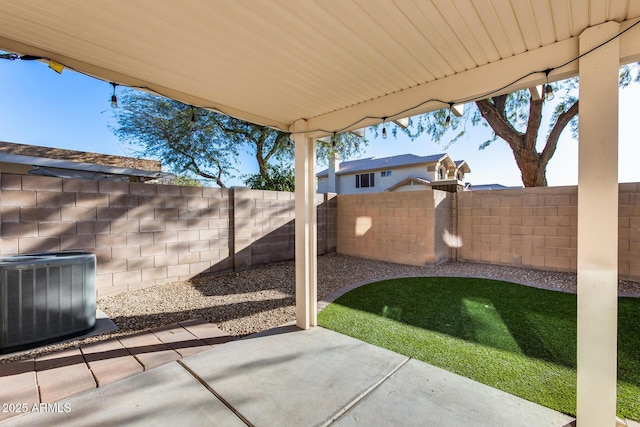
<point x="462" y="164"/>
<point x="409" y="180"/>
<point x="372" y="163"/>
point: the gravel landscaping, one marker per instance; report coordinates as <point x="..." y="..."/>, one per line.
<point x="264" y="297"/>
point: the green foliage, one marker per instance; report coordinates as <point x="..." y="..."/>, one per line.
<point x="630" y="74"/>
<point x="185" y="139"/>
<point x="279" y="179"/>
<point x="191" y="140"/>
<point x="458" y="324"/>
<point x="346" y="145"/>
<point x="185" y="181"/>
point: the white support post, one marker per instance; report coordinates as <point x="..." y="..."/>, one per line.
<point x="306" y="228"/>
<point x="598" y="228"/>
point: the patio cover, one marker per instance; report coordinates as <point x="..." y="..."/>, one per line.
<point x="320" y="66"/>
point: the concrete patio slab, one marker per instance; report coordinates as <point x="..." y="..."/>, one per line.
<point x="295" y="378"/>
<point x="63" y="374"/>
<point x="149" y="350"/>
<point x="167" y="395"/>
<point x="286" y="376"/>
<point x="419" y="394"/>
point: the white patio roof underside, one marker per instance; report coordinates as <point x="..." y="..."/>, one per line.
<point x="319" y="66"/>
<point x="332" y="62"/>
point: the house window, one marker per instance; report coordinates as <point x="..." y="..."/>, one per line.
<point x="441" y="173"/>
<point x="364" y="180"/>
<point x="385" y="173"/>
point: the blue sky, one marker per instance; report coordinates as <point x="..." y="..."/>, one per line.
<point x="70" y="110"/>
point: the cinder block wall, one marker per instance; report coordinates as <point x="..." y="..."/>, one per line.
<point x="533" y="227"/>
<point x="629" y="231"/>
<point x="537" y="227"/>
<point x="145" y="234"/>
<point x="264" y="227"/>
<point x="397" y="227"/>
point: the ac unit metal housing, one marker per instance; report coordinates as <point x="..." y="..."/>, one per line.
<point x="46" y="297"/>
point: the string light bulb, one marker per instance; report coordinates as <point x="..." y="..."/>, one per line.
<point x="114" y="98"/>
<point x="548" y="90"/>
<point x="447" y="121"/>
<point x="384" y="128"/>
<point x="193" y="116"/>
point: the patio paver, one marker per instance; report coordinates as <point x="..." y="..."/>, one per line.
<point x="63" y="374"/>
<point x="148" y="350"/>
<point x="207" y="332"/>
<point x="59" y="375"/>
<point x="180" y="340"/>
<point x="110" y="361"/>
<point x="17" y="385"/>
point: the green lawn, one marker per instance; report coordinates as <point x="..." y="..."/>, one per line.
<point x="515" y="338"/>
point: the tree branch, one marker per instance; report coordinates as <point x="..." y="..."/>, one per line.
<point x="277" y="144"/>
<point x="552" y="141"/>
<point x="500" y="103"/>
<point x="197" y="170"/>
<point x="500" y="124"/>
<point x="533" y="124"/>
<point x="260" y="157"/>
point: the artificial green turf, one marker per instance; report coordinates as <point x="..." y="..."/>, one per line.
<point x="515" y="338"/>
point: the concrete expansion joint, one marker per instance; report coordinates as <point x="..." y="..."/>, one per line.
<point x="364" y="394"/>
<point x="215" y="393"/>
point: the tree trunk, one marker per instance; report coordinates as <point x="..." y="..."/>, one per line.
<point x="532" y="165"/>
<point x="533" y="173"/>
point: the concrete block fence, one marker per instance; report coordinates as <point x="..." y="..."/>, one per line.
<point x="528" y="227"/>
<point x="401" y="227"/>
<point x="537" y="227"/>
<point x="145" y="234"/>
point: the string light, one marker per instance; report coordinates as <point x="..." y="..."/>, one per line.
<point x="114" y="98"/>
<point x="193" y="116"/>
<point x="384" y="128"/>
<point x="447" y="122"/>
<point x="548" y="90"/>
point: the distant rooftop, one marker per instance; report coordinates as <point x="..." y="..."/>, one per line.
<point x="79" y="156"/>
<point x="482" y="187"/>
<point x="372" y="163"/>
<point x="76" y="164"/>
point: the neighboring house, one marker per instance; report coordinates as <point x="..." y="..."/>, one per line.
<point x="406" y="172"/>
<point x="21" y="159"/>
<point x="486" y="187"/>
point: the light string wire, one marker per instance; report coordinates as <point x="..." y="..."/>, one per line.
<point x="401" y="113"/>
